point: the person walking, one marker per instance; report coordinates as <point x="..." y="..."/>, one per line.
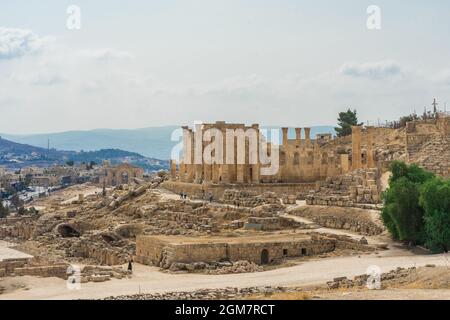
<point x="130" y="265"/>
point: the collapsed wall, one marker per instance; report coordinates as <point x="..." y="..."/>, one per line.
<point x="353" y="189"/>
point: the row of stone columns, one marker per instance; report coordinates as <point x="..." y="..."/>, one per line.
<point x="298" y="136"/>
<point x="227" y="173"/>
<point x="215" y="173"/>
<point x="356" y="148"/>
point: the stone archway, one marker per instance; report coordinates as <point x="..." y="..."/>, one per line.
<point x="124" y="177"/>
<point x="264" y="256"/>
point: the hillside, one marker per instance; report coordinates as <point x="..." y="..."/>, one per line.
<point x="153" y="142"/>
<point x="16" y="155"/>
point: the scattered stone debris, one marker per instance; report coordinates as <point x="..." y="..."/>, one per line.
<point x="352" y="189"/>
<point x="206" y="294"/>
<point x="361" y="280"/>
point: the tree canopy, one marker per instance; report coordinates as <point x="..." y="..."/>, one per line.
<point x="346" y="120"/>
<point x="417" y="207"/>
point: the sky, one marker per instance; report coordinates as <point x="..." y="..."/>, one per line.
<point x="135" y="64"/>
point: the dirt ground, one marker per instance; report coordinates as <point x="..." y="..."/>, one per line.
<point x="150" y="279"/>
<point x="425" y="283"/>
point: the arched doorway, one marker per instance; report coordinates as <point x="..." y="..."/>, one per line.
<point x="125" y="177"/>
<point x="264" y="256"/>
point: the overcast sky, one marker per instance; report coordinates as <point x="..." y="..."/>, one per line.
<point x="281" y="62"/>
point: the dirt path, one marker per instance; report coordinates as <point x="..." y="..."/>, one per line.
<point x="150" y="279"/>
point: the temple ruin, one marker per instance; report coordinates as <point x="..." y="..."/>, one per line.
<point x="302" y="161"/>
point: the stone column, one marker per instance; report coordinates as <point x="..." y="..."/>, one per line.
<point x="190" y="167"/>
<point x="356" y="147"/>
<point x="317" y="160"/>
<point x="344" y="163"/>
<point x="255" y="178"/>
<point x="182" y="171"/>
<point x="224" y="167"/>
<point x="173" y="170"/>
<point x="298" y="136"/>
<point x="240" y="173"/>
<point x="198" y="153"/>
<point x="308" y="137"/>
<point x="285" y="135"/>
<point x="215" y="173"/>
<point x="370" y="155"/>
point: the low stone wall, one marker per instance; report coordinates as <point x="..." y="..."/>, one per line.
<point x="102" y="254"/>
<point x="59" y="271"/>
<point x="218" y="190"/>
<point x="250" y="199"/>
<point x="273" y="223"/>
<point x="20" y="267"/>
<point x="353" y="219"/>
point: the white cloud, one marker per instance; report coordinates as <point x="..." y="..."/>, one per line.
<point x="376" y="70"/>
<point x="15" y="43"/>
<point x="40" y="78"/>
<point x="105" y="54"/>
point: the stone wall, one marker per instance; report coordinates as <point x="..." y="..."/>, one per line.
<point x="251" y="199"/>
<point x="353" y="219"/>
<point x="358" y="187"/>
<point x="163" y="252"/>
<point x="21" y="267"/>
<point x="427" y="144"/>
<point x="218" y="190"/>
<point x="273" y="223"/>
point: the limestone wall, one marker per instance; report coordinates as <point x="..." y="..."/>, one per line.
<point x="20" y="267"/>
<point x="152" y="250"/>
<point x="218" y="190"/>
<point x="358" y="187"/>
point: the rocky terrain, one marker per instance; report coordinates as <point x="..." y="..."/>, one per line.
<point x="366" y="222"/>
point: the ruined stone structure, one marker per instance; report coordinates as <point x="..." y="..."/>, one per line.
<point x="350" y="190"/>
<point x="300" y="160"/>
<point x="122" y="174"/>
<point x="427" y="144"/>
<point x="164" y="250"/>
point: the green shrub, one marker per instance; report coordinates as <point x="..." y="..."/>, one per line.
<point x="435" y="199"/>
<point x="402" y="213"/>
<point x="417" y="207"/>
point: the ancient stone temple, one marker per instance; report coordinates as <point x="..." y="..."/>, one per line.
<point x="300" y="160"/>
<point x="110" y="175"/>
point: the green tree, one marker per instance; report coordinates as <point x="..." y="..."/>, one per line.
<point x="402" y="213"/>
<point x="435" y="199"/>
<point x="3" y="210"/>
<point x="346" y="120"/>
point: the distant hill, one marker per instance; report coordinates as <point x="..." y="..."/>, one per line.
<point x="151" y="142"/>
<point x="17" y="155"/>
